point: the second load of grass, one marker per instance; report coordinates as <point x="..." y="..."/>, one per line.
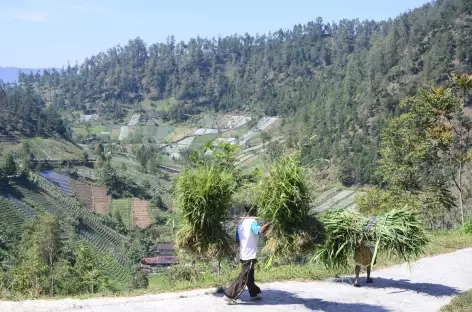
<point x="282" y="197"/>
<point x="399" y="233"/>
<point x="203" y="199"/>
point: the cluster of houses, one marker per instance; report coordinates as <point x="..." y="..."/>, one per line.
<point x="163" y="256"/>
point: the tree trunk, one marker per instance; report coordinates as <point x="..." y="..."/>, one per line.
<point x="52" y="275"/>
<point x="219" y="267"/>
<point x="460" y="192"/>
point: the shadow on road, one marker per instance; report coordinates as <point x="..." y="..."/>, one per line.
<point x="278" y="297"/>
<point x="436" y="290"/>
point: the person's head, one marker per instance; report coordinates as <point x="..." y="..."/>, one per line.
<point x="251" y="211"/>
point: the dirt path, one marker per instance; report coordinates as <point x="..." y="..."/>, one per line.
<point x="432" y="284"/>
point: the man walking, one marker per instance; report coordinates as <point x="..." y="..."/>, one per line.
<point x="247" y="235"/>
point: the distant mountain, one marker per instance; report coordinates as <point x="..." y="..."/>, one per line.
<point x="10" y="74"/>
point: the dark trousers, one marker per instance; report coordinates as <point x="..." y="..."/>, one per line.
<point x="245" y="278"/>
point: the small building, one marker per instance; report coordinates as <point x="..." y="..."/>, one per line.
<point x="163" y="256"/>
<point x="164" y="249"/>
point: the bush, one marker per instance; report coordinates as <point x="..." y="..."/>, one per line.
<point x="182" y="273"/>
<point x="140" y="280"/>
<point x="467" y="227"/>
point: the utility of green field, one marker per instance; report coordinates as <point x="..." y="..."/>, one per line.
<point x="200" y="141"/>
<point x="122" y="207"/>
<point x="94" y="130"/>
<point x="53" y="149"/>
<point x="179" y="133"/>
<point x="10" y="147"/>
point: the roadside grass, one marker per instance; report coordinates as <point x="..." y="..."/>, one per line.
<point x="205" y="276"/>
<point x="460" y="303"/>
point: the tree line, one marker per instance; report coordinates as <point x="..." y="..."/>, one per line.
<point x="344" y="80"/>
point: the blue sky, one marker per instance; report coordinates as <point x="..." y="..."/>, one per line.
<point x="49" y="33"/>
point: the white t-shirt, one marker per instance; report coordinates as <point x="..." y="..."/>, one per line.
<point x="247" y="234"/>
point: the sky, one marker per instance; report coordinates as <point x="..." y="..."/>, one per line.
<point x="51" y="33"/>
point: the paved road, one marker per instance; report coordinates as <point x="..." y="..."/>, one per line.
<point x="431" y="284"/>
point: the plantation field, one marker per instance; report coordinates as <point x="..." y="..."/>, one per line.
<point x="334" y="199"/>
<point x="94" y="130"/>
<point x="50" y="198"/>
<point x="201" y="140"/>
<point x="122" y="207"/>
<point x="54" y="149"/>
<point x="179" y="133"/>
<point x="9" y="215"/>
<point x="156" y="134"/>
<point x="7" y="147"/>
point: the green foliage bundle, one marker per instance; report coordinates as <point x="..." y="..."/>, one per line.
<point x="467" y="227"/>
<point x="203" y="199"/>
<point x="282" y="198"/>
<point x="399" y="232"/>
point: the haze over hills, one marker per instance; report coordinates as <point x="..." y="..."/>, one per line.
<point x="10" y="74"/>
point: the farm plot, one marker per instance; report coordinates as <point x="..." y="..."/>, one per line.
<point x="9" y="215"/>
<point x="204" y="131"/>
<point x="154" y="134"/>
<point x="158" y="186"/>
<point x="236" y="121"/>
<point x="69" y="206"/>
<point x="134" y="120"/>
<point x="54" y="149"/>
<point x="122" y="207"/>
<point x="246" y="137"/>
<point x="49" y="197"/>
<point x="174" y="149"/>
<point x="88" y="118"/>
<point x="140" y="212"/>
<point x="265" y="123"/>
<point x="59" y="180"/>
<point x="83" y="192"/>
<point x="124" y="133"/>
<point x="25" y="209"/>
<point x="179" y="133"/>
<point x="88" y="173"/>
<point x="101" y="200"/>
<point x="333" y="200"/>
<point x="320" y="199"/>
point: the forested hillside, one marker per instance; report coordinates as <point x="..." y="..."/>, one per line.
<point x="341" y="80"/>
<point x="22" y="110"/>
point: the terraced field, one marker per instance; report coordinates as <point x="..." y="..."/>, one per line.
<point x="50" y="198"/>
<point x="334" y="198"/>
<point x="101" y="201"/>
<point x="25" y="209"/>
<point x="56" y="148"/>
<point x="60" y="180"/>
<point x="122" y="207"/>
<point x="84" y="192"/>
<point x="140" y="212"/>
<point x="158" y="186"/>
<point x="9" y="215"/>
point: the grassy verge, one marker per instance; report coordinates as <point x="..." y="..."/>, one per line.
<point x="180" y="278"/>
<point x="184" y="278"/>
<point x="460" y="303"/>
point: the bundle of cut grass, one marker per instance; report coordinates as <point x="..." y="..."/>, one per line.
<point x="282" y="198"/>
<point x="203" y="200"/>
<point x="397" y="233"/>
